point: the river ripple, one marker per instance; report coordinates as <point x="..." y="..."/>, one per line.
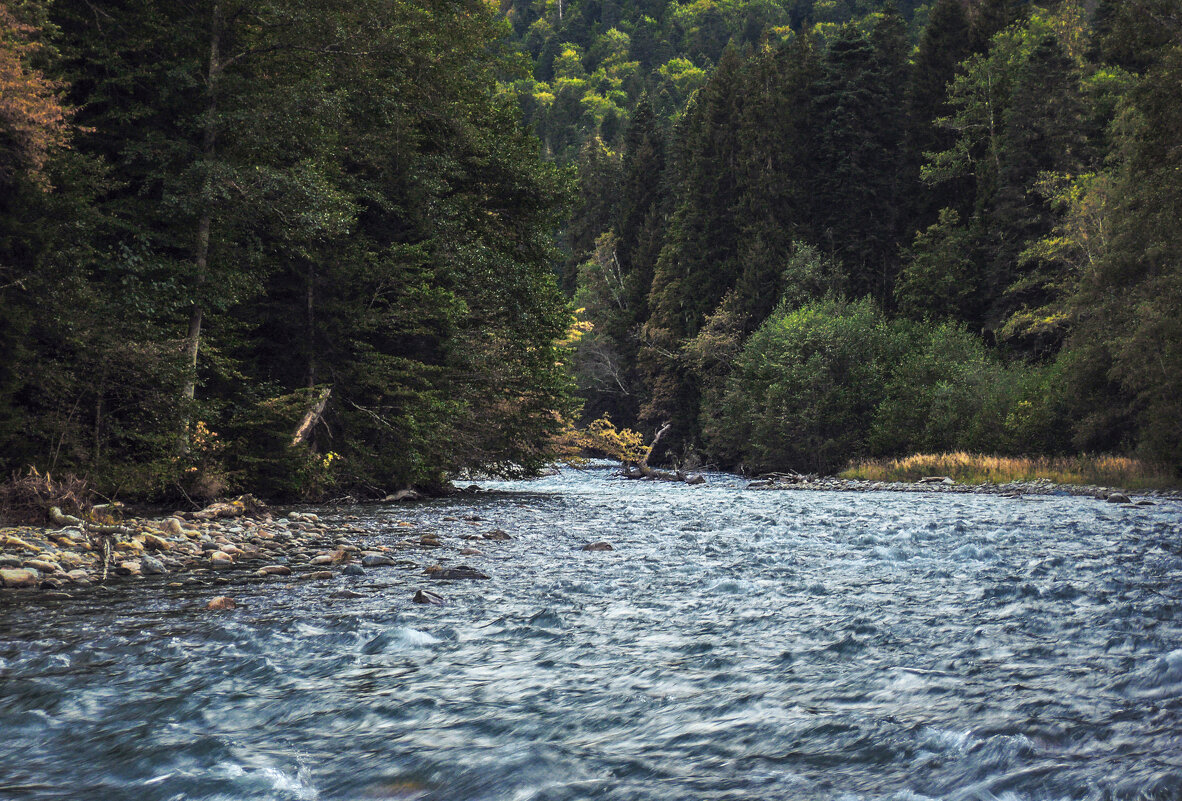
<point x="735" y="645"/>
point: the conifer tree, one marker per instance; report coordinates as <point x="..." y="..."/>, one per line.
<point x="1043" y="132"/>
<point x="596" y="210"/>
<point x="699" y="261"/>
<point x="858" y="164"/>
<point x="944" y="43"/>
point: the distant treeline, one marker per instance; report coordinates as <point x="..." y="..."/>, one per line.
<point x="860" y="240"/>
<point x="216" y="214"/>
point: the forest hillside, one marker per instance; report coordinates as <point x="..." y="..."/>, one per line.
<point x="873" y="229"/>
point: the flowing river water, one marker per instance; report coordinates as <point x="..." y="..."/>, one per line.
<point x="735" y="645"/>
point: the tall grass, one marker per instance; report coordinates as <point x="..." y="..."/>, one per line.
<point x="976" y="468"/>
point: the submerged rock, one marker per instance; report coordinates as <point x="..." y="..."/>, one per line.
<point x="454" y="573"/>
<point x="354" y="570"/>
<point x="497" y="534"/>
<point x="598" y="546"/>
<point x="220" y="603"/>
<point x="347" y="594"/>
<point x="377" y="561"/>
<point x="428" y="597"/>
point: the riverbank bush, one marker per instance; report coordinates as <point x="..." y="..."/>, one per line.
<point x="805" y="387"/>
<point x="833" y="380"/>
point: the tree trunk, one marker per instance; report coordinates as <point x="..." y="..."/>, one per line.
<point x="310" y="320"/>
<point x="205" y="218"/>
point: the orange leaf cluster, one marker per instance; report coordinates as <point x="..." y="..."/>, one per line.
<point x="33" y="121"/>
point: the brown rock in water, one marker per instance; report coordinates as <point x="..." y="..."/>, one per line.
<point x="18" y="577"/>
<point x="156" y="543"/>
<point x="131" y="567"/>
<point x="470" y="552"/>
<point x="598" y="546"/>
<point x="497" y="534"/>
<point x="220" y="559"/>
<point x="318" y="575"/>
<point x="273" y="570"/>
<point x="42" y="565"/>
<point x="430" y="540"/>
<point x="220" y="603"/>
<point x="174" y="527"/>
<point x="428" y="597"/>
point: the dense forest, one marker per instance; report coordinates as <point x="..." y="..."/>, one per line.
<point x="217" y="217"/>
<point x="918" y="228"/>
<point x="309" y="247"/>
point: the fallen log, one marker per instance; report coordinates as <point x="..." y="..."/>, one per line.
<point x="641" y="468"/>
<point x="311" y="418"/>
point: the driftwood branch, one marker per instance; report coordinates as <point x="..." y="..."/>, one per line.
<point x="643" y="470"/>
<point x="311" y="418"/>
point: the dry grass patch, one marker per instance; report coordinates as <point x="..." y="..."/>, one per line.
<point x="976" y="468"/>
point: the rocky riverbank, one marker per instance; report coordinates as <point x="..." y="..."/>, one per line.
<point x="1013" y="489"/>
<point x="233" y="542"/>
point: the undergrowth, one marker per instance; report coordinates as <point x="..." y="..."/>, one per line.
<point x="27" y="499"/>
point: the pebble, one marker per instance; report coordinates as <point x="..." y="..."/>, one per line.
<point x="153" y="566"/>
<point x="130" y="567"/>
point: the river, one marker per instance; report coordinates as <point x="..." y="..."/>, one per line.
<point x="734" y="645"/>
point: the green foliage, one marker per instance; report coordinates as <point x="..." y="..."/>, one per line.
<point x="938" y="281"/>
<point x="806" y="386"/>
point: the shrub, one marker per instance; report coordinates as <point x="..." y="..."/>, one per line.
<point x="806" y="385"/>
